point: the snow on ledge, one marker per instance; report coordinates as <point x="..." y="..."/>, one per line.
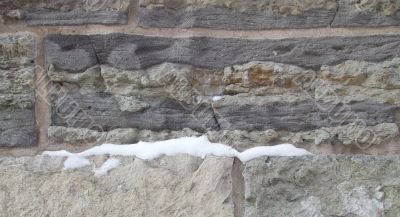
<point x="195" y="146"/>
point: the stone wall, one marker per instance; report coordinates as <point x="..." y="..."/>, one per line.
<point x="323" y="75"/>
<point x="245" y="74"/>
<point x="351" y="186"/>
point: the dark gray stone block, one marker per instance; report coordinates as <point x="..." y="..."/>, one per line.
<point x="17" y="127"/>
<point x="268" y="14"/>
<point x="71" y="53"/>
<point x="75" y="18"/>
<point x="223" y="18"/>
<point x="65" y="12"/>
<point x="302" y="116"/>
<point x="75" y="53"/>
<point x="101" y="112"/>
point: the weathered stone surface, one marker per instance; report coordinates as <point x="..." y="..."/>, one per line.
<point x="267" y="14"/>
<point x="355" y="88"/>
<point x="350" y="186"/>
<point x="89" y="81"/>
<point x="384" y="75"/>
<point x="236" y="14"/>
<point x="76" y="53"/>
<point x="242" y="140"/>
<point x="345" y="100"/>
<point x="348" y="135"/>
<point x="238" y="139"/>
<point x="231" y="113"/>
<point x="367" y="13"/>
<point x="305" y="115"/>
<point x="65" y="12"/>
<point x="83" y="136"/>
<point x="168" y="186"/>
<point x="17" y="50"/>
<point x="17" y="94"/>
<point x="104" y="112"/>
<point x="164" y="80"/>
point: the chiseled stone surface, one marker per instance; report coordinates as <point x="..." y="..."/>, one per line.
<point x="267" y="14"/>
<point x="168" y="186"/>
<point x="367" y="13"/>
<point x="107" y="112"/>
<point x="199" y="85"/>
<point x="65" y="12"/>
<point x="76" y="53"/>
<point x="182" y="185"/>
<point x="17" y="94"/>
<point x="348" y="186"/>
<point x="299" y="116"/>
<point x="83" y="137"/>
<point x="236" y="14"/>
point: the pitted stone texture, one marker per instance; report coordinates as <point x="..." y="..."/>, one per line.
<point x="169" y="186"/>
<point x="74" y="53"/>
<point x="350" y="138"/>
<point x="236" y="14"/>
<point x="17" y="93"/>
<point x="384" y="75"/>
<point x="250" y="114"/>
<point x="349" y="186"/>
<point x="83" y="136"/>
<point x="117" y="79"/>
<point x="367" y="13"/>
<point x="16" y="50"/>
<point x="267" y="14"/>
<point x="65" y="12"/>
<point x="104" y="112"/>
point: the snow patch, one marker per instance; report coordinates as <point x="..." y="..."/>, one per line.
<point x="195" y="146"/>
<point x="110" y="164"/>
<point x="277" y="150"/>
<point x="74" y="162"/>
<point x="217" y="98"/>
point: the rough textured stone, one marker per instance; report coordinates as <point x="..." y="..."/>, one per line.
<point x="76" y="53"/>
<point x="243" y="140"/>
<point x="168" y="186"/>
<point x="236" y="14"/>
<point x="83" y="136"/>
<point x="269" y="85"/>
<point x="65" y="12"/>
<point x="384" y="75"/>
<point x="17" y="94"/>
<point x="299" y="97"/>
<point x="306" y="115"/>
<point x="88" y="81"/>
<point x="103" y="112"/>
<point x="165" y="80"/>
<point x="77" y="137"/>
<point x="349" y="186"/>
<point x="367" y="13"/>
<point x="267" y="14"/>
<point x="350" y="134"/>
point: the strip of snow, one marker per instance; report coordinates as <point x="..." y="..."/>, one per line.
<point x="277" y="150"/>
<point x="217" y="98"/>
<point x="74" y="162"/>
<point x="110" y="164"/>
<point x="195" y="146"/>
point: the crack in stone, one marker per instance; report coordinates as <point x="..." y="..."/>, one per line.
<point x="336" y="12"/>
<point x="238" y="188"/>
<point x="215" y="117"/>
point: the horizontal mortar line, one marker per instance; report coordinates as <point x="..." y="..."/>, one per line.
<point x="179" y="32"/>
